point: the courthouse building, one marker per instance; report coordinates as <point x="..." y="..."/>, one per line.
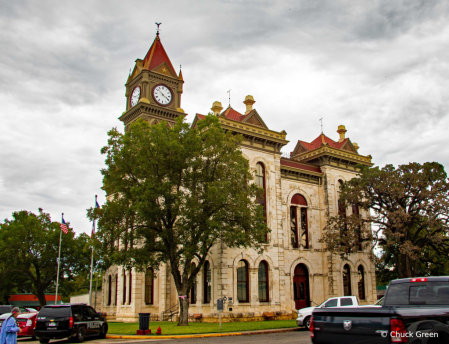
<point x="301" y="191"/>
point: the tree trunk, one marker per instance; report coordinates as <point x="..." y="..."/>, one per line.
<point x="183" y="310"/>
<point x="41" y="297"/>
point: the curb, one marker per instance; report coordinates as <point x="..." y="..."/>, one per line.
<point x="205" y="335"/>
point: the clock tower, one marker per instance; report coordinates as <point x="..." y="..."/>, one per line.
<point x="153" y="89"/>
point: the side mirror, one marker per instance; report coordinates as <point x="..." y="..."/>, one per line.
<point x="99" y="314"/>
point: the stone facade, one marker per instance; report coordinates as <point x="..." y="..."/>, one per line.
<point x="313" y="171"/>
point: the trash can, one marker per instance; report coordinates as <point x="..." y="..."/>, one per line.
<point x="144" y="321"/>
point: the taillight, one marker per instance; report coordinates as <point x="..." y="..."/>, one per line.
<point x="398" y="331"/>
<point x="35" y="322"/>
<point x="311" y="328"/>
<point x="71" y="322"/>
<point x="419" y="280"/>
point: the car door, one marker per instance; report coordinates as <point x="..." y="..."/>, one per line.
<point x="331" y="303"/>
<point x="95" y="321"/>
<point x="87" y="320"/>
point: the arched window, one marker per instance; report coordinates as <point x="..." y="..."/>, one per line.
<point x="361" y="282"/>
<point x="207" y="281"/>
<point x="109" y="290"/>
<point x="242" y="282"/>
<point x="260" y="182"/>
<point x="299" y="229"/>
<point x="124" y="287"/>
<point x="130" y="286"/>
<point x="347" y="280"/>
<point x="263" y="282"/>
<point x="116" y="289"/>
<point x="149" y="286"/>
<point x="194" y="287"/>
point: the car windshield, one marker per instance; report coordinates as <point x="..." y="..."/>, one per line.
<point x="423" y="293"/>
<point x="54" y="312"/>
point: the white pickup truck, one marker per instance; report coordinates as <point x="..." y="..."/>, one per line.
<point x="304" y="314"/>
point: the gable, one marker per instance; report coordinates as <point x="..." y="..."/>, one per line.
<point x="165" y="69"/>
<point x="254" y="118"/>
<point x="349" y="147"/>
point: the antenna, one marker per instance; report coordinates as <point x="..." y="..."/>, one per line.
<point x="321" y="120"/>
<point x="229" y="98"/>
<point x="157" y="32"/>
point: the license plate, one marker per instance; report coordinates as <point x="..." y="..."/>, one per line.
<point x="52" y="324"/>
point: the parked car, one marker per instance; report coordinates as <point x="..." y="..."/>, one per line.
<point x="305" y="314"/>
<point x="7" y="309"/>
<point x="415" y="310"/>
<point x="75" y="321"/>
<point x="26" y="321"/>
<point x="377" y="304"/>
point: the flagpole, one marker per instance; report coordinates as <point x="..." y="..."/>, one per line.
<point x="92" y="258"/>
<point x="59" y="259"/>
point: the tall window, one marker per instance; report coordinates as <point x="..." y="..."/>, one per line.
<point x="356" y="212"/>
<point x="109" y="290"/>
<point x="194" y="288"/>
<point x="130" y="286"/>
<point x="361" y="282"/>
<point x="242" y="282"/>
<point x="299" y="230"/>
<point x="149" y="286"/>
<point x="260" y="182"/>
<point x="341" y="206"/>
<point x="207" y="277"/>
<point x="347" y="280"/>
<point x="124" y="287"/>
<point x="263" y="282"/>
<point x="116" y="289"/>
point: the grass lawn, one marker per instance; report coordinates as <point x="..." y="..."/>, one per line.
<point x="172" y="328"/>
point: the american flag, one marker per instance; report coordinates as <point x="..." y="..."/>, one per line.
<point x="64" y="226"/>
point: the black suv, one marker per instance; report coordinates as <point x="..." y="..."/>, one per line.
<point x="69" y="321"/>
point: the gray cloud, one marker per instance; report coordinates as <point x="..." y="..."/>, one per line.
<point x="379" y="67"/>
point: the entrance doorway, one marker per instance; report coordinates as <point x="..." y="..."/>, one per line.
<point x="301" y="287"/>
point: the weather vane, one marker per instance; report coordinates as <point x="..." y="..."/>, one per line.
<point x="321" y="120"/>
<point x="158" y="24"/>
<point x="229" y="98"/>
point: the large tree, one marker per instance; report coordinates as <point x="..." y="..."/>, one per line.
<point x="172" y="193"/>
<point x="406" y="217"/>
<point x="29" y="245"/>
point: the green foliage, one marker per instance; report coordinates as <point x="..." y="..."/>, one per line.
<point x="408" y="209"/>
<point x="29" y="245"/>
<point x="172" y="193"/>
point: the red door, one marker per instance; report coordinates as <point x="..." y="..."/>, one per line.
<point x="301" y="287"/>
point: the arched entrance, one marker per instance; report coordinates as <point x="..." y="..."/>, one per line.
<point x="301" y="287"/>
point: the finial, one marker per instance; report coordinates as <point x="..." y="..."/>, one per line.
<point x="180" y="67"/>
<point x="157" y="32"/>
<point x="321" y="120"/>
<point x="229" y="98"/>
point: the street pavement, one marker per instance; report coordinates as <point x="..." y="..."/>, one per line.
<point x="297" y="337"/>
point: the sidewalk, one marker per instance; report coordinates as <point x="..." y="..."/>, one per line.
<point x="205" y="335"/>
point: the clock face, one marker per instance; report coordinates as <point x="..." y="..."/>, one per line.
<point x="162" y="95"/>
<point x="135" y="96"/>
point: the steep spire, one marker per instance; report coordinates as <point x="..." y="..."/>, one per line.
<point x="157" y="55"/>
<point x="180" y="75"/>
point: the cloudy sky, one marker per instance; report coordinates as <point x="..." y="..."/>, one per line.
<point x="379" y="67"/>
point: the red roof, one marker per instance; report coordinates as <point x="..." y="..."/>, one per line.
<point x="319" y="141"/>
<point x="157" y="55"/>
<point x="232" y="114"/>
<point x="299" y="165"/>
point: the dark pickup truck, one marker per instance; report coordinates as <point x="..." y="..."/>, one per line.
<point x="415" y="310"/>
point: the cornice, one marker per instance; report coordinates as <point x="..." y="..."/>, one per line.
<point x="142" y="108"/>
<point x="342" y="155"/>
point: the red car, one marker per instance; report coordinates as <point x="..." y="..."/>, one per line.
<point x="26" y="321"/>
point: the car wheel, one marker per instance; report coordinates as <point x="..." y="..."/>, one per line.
<point x="307" y="323"/>
<point x="44" y="340"/>
<point x="103" y="331"/>
<point x="79" y="338"/>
